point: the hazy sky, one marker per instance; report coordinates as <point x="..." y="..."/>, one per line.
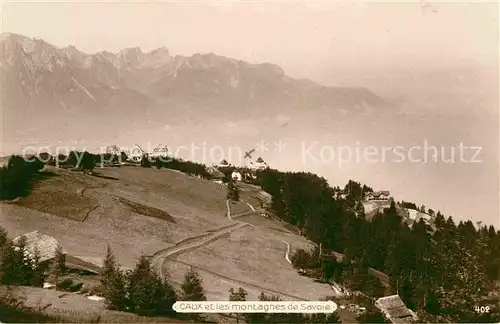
<point x="303" y="37"/>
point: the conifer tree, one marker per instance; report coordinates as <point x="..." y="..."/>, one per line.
<point x="7" y="266"/>
<point x="239" y="295"/>
<point x="148" y="293"/>
<point x="3" y="236"/>
<point x="323" y="318"/>
<point x="145" y="162"/>
<point x="192" y="287"/>
<point x="113" y="285"/>
<point x="87" y="163"/>
<point x="123" y="156"/>
<point x="17" y="266"/>
<point x="159" y="162"/>
<point x="439" y="222"/>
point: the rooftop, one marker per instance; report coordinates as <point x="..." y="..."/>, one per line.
<point x="395" y="309"/>
<point x="46" y="245"/>
<point x="378" y="193"/>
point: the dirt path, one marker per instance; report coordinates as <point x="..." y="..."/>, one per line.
<point x="158" y="259"/>
<point x="228" y="209"/>
<point x="251" y="207"/>
<point x="287" y="253"/>
<point x="232" y="217"/>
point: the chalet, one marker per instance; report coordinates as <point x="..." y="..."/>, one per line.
<point x="215" y="174"/>
<point x="43" y="245"/>
<point x="339" y="257"/>
<point x="224" y="164"/>
<point x="135" y="154"/>
<point x="159" y="152"/>
<point x="378" y="195"/>
<point x="340" y="194"/>
<point x="264" y="198"/>
<point x="395" y="310"/>
<point x="236" y="176"/>
<point x="259" y="164"/>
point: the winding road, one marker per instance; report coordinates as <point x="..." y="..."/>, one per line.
<point x="287" y="253"/>
<point x="159" y="258"/>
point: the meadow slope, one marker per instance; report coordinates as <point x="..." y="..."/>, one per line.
<point x="146" y="211"/>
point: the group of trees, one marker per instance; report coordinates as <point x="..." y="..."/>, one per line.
<point x="442" y="270"/>
<point x="143" y="292"/>
<point x="140" y="291"/>
<point x="16" y="178"/>
<point x="110" y="157"/>
<point x="187" y="167"/>
<point x="409" y="205"/>
<point x="356" y="192"/>
<point x="84" y="161"/>
<point x="15" y="267"/>
<point x="19" y="266"/>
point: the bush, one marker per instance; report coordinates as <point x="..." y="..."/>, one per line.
<point x="17" y="177"/>
<point x="75" y="287"/>
<point x="65" y="284"/>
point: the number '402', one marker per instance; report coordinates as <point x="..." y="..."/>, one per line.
<point x="482" y="309"/>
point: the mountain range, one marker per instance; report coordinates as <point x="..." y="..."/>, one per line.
<point x="46" y="86"/>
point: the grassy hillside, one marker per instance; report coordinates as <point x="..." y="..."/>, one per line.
<point x="194" y="205"/>
<point x="144" y="210"/>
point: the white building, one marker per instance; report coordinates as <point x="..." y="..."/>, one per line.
<point x="135" y="154"/>
<point x="236" y="176"/>
<point x="223" y="164"/>
<point x="259" y="164"/>
<point x="340" y="194"/>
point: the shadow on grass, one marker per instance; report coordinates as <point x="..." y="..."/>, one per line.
<point x="41" y="175"/>
<point x="22" y="187"/>
<point x="11" y="314"/>
<point x="100" y="175"/>
<point x="146" y="210"/>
